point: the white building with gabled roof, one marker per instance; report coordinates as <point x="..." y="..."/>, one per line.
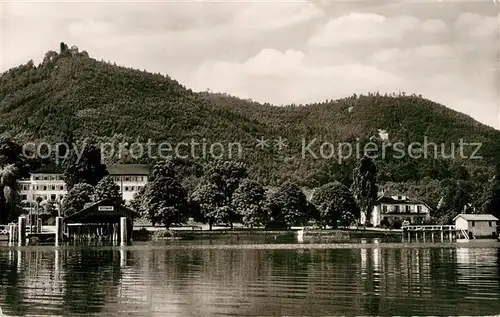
<point x="477" y="225"/>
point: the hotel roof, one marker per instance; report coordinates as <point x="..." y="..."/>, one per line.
<point x="128" y="169"/>
<point x="113" y="169"/>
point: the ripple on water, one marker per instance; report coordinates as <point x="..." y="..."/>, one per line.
<point x="251" y="280"/>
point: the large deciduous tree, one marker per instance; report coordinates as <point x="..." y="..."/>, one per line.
<point x="165" y="199"/>
<point x="288" y="207"/>
<point x="219" y="182"/>
<point x="364" y="187"/>
<point x="249" y="201"/>
<point x="109" y="190"/>
<point x="210" y="203"/>
<point x="78" y="196"/>
<point x="336" y="205"/>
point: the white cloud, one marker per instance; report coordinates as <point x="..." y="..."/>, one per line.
<point x="288" y="77"/>
<point x="275" y="14"/>
<point x="414" y="56"/>
<point x="91" y="28"/>
<point x="364" y="28"/>
<point x="477" y="25"/>
<point x="433" y="26"/>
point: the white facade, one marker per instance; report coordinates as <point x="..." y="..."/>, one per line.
<point x="398" y="207"/>
<point x="129" y="185"/>
<point x="50" y="186"/>
<point x="130" y="178"/>
<point x="47" y="186"/>
<point x="477" y="224"/>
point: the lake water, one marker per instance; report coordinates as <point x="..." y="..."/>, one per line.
<point x="194" y="279"/>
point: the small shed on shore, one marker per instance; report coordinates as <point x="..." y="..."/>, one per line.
<point x="477" y="225"/>
<point x="99" y="221"/>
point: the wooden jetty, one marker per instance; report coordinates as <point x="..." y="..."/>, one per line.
<point x="101" y="221"/>
<point x="433" y="233"/>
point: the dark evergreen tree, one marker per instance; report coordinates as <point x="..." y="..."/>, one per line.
<point x="364" y="187"/>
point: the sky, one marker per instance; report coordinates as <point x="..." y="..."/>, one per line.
<point x="281" y="52"/>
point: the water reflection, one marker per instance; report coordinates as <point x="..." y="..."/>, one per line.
<point x="367" y="280"/>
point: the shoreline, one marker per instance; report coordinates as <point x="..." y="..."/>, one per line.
<point x="311" y="235"/>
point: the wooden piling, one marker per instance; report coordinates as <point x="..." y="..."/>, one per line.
<point x="123" y="230"/>
<point x="12" y="233"/>
<point x="39" y="225"/>
<point x="123" y="257"/>
<point x="59" y="231"/>
<point x="21" y="231"/>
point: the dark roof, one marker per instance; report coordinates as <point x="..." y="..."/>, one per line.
<point x="477" y="217"/>
<point x="91" y="214"/>
<point x="113" y="169"/>
<point x="49" y="169"/>
<point x="390" y="200"/>
<point x="128" y="169"/>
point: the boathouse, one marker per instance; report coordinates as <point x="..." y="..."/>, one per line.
<point x="477" y="225"/>
<point x="105" y="220"/>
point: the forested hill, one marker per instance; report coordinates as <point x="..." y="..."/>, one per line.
<point x="71" y="93"/>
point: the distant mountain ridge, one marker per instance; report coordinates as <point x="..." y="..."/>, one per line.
<point x="69" y="92"/>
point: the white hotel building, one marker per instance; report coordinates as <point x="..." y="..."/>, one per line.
<point x="49" y="185"/>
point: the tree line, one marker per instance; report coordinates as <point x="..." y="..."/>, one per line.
<point x="226" y="192"/>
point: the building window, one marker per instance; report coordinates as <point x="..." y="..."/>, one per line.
<point x="384" y="209"/>
<point x="473" y="223"/>
<point x="126" y="188"/>
<point x="61" y="187"/>
<point x="127" y="179"/>
<point x="491" y="225"/>
<point x="44" y="188"/>
<point x="396" y="208"/>
<point x="419" y="208"/>
<point x="408" y="209"/>
<point x="52" y="197"/>
<point x="53" y="187"/>
<point x="37" y="178"/>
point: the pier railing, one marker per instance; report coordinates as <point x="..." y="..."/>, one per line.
<point x="429" y="228"/>
<point x="424" y="232"/>
<point x="4" y="230"/>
